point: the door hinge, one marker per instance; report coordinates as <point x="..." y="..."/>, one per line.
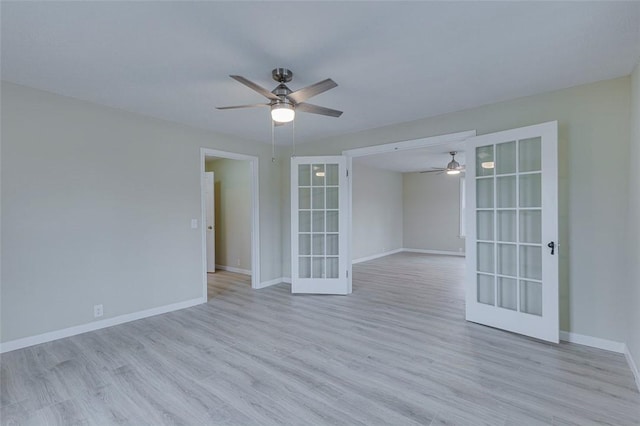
<point x="347" y="172"/>
<point x="347" y="273"/>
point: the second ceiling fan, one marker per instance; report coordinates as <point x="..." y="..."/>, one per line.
<point x="283" y="101"/>
<point x="453" y="168"/>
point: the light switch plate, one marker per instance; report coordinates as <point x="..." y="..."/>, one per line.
<point x="194" y="223"/>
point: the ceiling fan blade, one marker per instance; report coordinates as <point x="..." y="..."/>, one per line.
<point x="250" y="84"/>
<point x="309" y="91"/>
<point x="432" y="171"/>
<point x="244" y="106"/>
<point x="315" y="109"/>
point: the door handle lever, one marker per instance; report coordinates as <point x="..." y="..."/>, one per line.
<point x="552" y="246"/>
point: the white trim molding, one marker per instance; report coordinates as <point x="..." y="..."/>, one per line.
<point x="232" y="269"/>
<point x="376" y="256"/>
<point x="410" y="144"/>
<point x="12" y="345"/>
<point x="270" y="282"/>
<point x="275" y="281"/>
<point x="594" y="342"/>
<point x="442" y="252"/>
<point x="407" y="250"/>
<point x="632" y="365"/>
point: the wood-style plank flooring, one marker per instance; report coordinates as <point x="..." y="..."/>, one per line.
<point x="395" y="352"/>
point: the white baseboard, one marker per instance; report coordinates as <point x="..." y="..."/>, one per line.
<point x="376" y="256"/>
<point x="594" y="342"/>
<point x="444" y="252"/>
<point x="408" y="250"/>
<point x="274" y="281"/>
<point x="632" y="365"/>
<point x="270" y="282"/>
<point x="232" y="269"/>
<point x="12" y="345"/>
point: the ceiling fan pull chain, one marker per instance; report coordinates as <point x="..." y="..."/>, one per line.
<point x="293" y="137"/>
<point x="273" y="141"/>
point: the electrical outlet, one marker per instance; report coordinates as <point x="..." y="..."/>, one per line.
<point x="238" y="262"/>
<point x="97" y="311"/>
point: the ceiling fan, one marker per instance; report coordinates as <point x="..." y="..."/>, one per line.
<point x="283" y="101"/>
<point x="453" y="168"/>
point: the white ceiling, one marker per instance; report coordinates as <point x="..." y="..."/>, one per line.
<point x="393" y="61"/>
<point x="415" y="160"/>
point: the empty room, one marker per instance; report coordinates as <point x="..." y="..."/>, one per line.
<point x="314" y="213"/>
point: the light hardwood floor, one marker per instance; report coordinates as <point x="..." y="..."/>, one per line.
<point x="395" y="352"/>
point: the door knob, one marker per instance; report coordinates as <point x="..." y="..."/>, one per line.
<point x="209" y="227"/>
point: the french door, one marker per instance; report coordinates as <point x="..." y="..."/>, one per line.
<point x="319" y="225"/>
<point x="512" y="231"/>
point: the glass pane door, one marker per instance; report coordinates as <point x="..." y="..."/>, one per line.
<point x="318" y="237"/>
<point x="509" y="225"/>
<point x="512" y="275"/>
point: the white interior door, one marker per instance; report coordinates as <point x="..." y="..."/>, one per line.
<point x="211" y="227"/>
<point x="512" y="230"/>
<point x="319" y="225"/>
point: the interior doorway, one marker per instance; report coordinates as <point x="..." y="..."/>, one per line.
<point x="230" y="231"/>
<point x="398" y="209"/>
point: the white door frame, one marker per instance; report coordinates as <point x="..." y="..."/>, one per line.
<point x="381" y="149"/>
<point x="255" y="213"/>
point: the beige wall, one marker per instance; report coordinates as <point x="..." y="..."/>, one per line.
<point x="96" y="208"/>
<point x="594" y="123"/>
<point x="377" y="210"/>
<point x="232" y="212"/>
<point x="633" y="232"/>
<point x="432" y="212"/>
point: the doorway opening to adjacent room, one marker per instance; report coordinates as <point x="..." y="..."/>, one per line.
<point x="230" y="233"/>
<point x="397" y="204"/>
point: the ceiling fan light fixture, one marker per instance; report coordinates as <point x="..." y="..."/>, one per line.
<point x="453" y="172"/>
<point x="282" y="112"/>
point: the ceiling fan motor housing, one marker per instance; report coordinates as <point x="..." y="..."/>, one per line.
<point x="282" y="90"/>
<point x="282" y="75"/>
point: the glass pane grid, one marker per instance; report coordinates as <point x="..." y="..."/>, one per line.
<point x="508" y="234"/>
<point x="318" y="228"/>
